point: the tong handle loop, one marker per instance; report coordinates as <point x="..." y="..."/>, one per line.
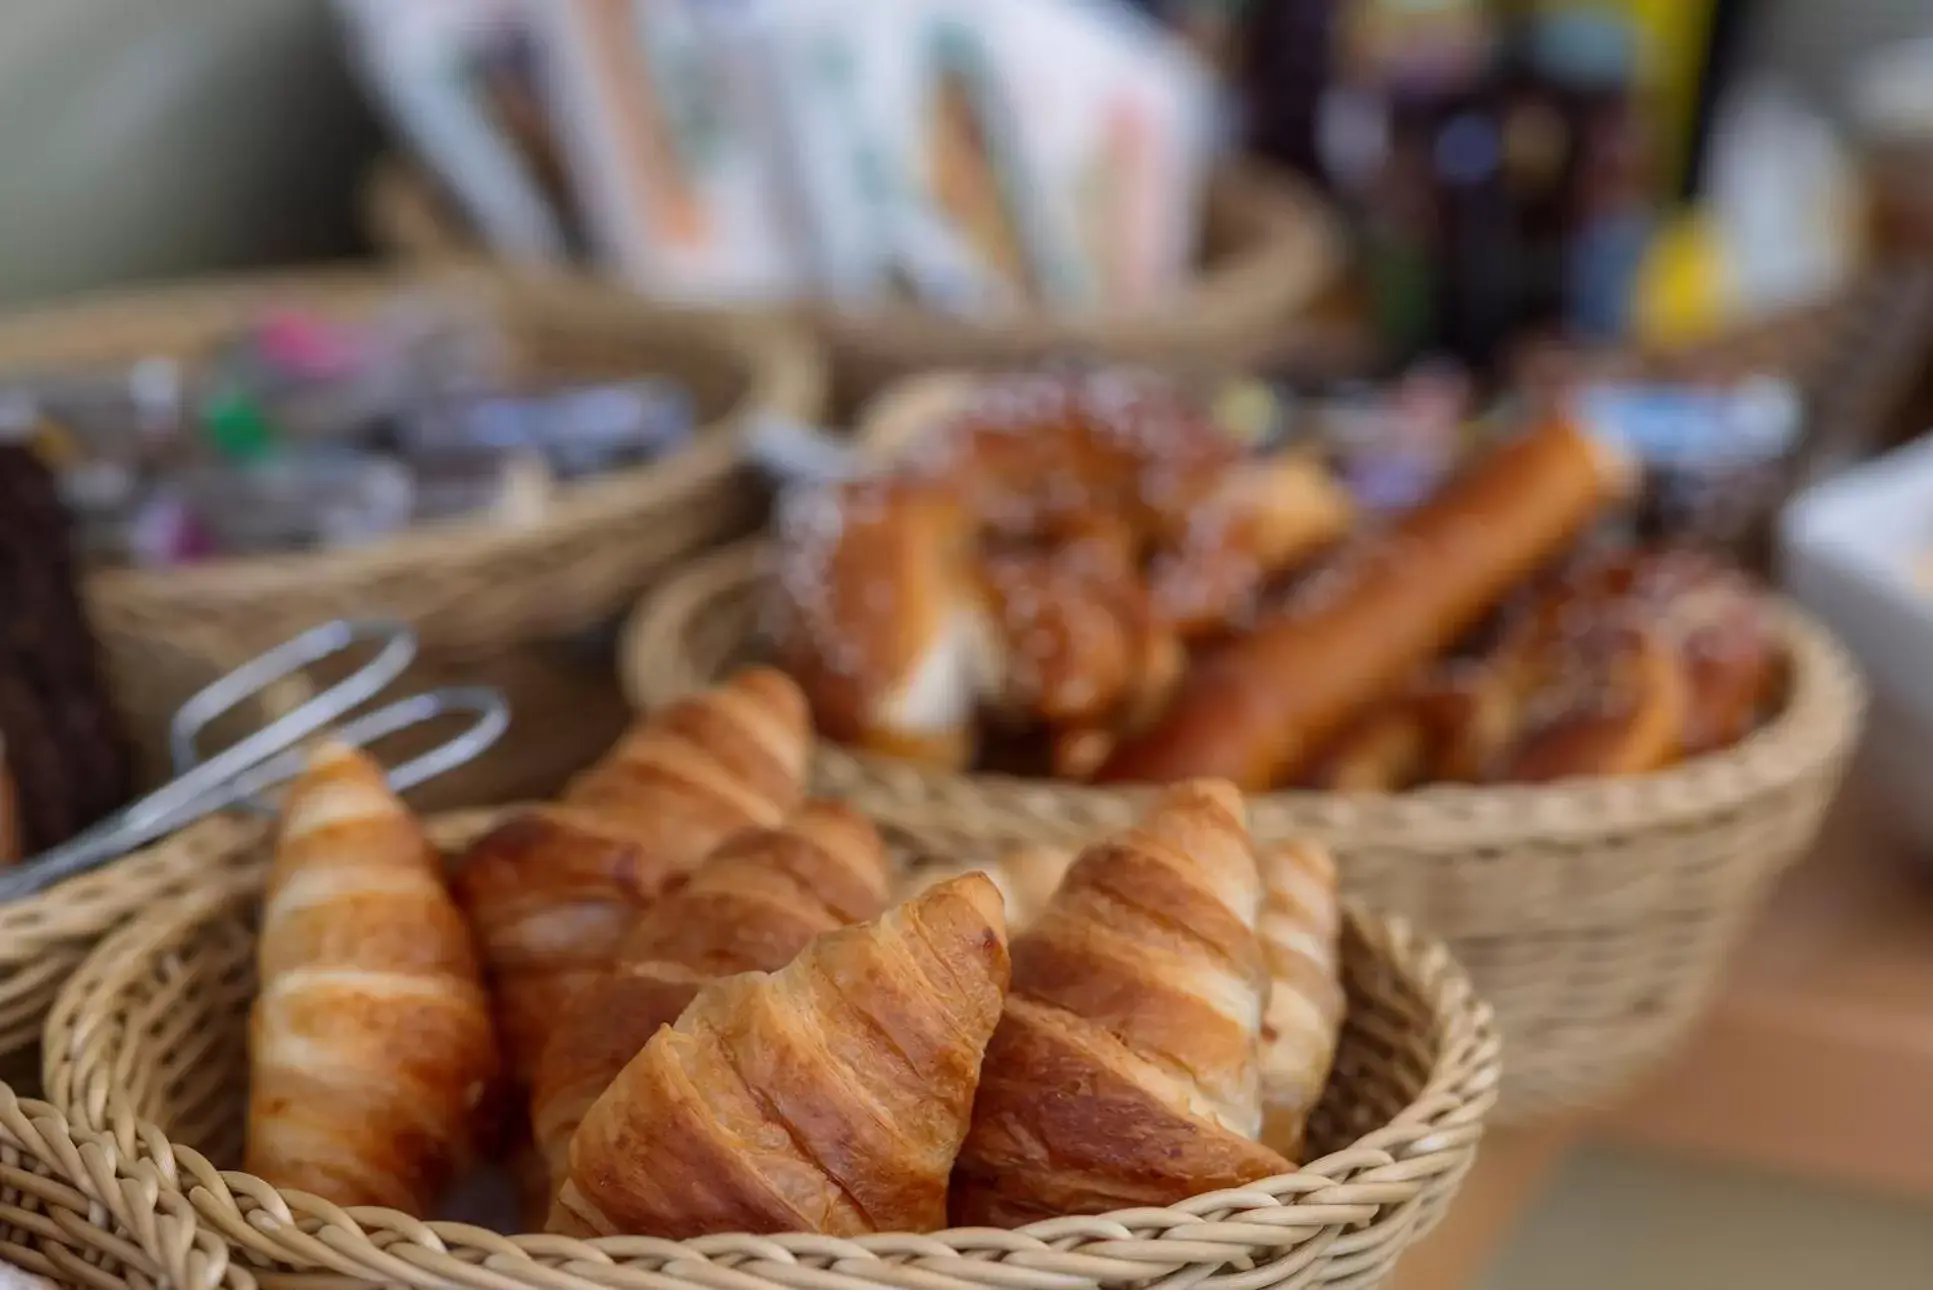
<point x="488" y="705"/>
<point x="285" y="660"/>
<point x="273" y="755"/>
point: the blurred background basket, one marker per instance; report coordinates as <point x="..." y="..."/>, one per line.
<point x="149" y="1044"/>
<point x="1594" y="915"/>
<point x="517" y="606"/>
<point x="1271" y="246"/>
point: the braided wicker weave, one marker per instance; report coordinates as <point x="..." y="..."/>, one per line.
<point x="71" y="1203"/>
<point x="1271" y="247"/>
<point x="147" y="1044"/>
<point x="1595" y="916"/>
<point x="491" y="602"/>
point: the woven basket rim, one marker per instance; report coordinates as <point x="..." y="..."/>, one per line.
<point x="1289" y="251"/>
<point x="785" y="377"/>
<point x="1818" y="722"/>
<point x="1290" y="241"/>
<point x="1321" y="1208"/>
<point x="78" y="1191"/>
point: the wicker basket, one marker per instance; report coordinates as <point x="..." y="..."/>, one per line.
<point x="1271" y="247"/>
<point x="70" y="1202"/>
<point x="148" y="1044"/>
<point x="489" y="601"/>
<point x="1595" y="916"/>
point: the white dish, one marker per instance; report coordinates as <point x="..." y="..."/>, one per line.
<point x="1857" y="550"/>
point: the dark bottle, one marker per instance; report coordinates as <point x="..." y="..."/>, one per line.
<point x="1285" y="63"/>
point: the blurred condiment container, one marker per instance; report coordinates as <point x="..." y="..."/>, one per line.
<point x="1891" y="101"/>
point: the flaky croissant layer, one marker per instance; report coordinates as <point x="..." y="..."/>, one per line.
<point x="755" y="904"/>
<point x="830" y="1096"/>
<point x="1125" y="1068"/>
<point x="552" y="891"/>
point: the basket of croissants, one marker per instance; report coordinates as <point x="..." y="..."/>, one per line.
<point x="1580" y="762"/>
<point x="713" y="1031"/>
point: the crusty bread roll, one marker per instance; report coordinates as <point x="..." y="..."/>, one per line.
<point x="1256" y="712"/>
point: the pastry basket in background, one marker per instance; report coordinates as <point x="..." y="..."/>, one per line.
<point x="507" y="605"/>
<point x="1594" y="915"/>
<point x="146" y="1053"/>
<point x="1271" y="247"/>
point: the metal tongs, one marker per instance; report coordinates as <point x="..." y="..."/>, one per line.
<point x="241" y="775"/>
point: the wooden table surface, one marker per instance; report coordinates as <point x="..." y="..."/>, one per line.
<point x="1816" y="1060"/>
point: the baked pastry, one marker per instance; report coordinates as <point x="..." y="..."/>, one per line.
<point x="829" y="1096"/>
<point x="1385" y="750"/>
<point x="883" y="620"/>
<point x="1619" y="706"/>
<point x="1258" y="711"/>
<point x="1038" y="560"/>
<point x="1262" y="517"/>
<point x="1628" y="664"/>
<point x="1125" y="1071"/>
<point x="370" y="1048"/>
<point x="1301" y="922"/>
<point x="552" y="890"/>
<point x="751" y="906"/>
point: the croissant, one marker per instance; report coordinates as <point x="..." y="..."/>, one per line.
<point x="830" y="1096"/>
<point x="552" y="891"/>
<point x="752" y="906"/>
<point x="370" y="1049"/>
<point x="1125" y="1069"/>
<point x="1300" y="924"/>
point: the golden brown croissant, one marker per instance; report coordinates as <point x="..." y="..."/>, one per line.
<point x="752" y="906"/>
<point x="1125" y="1069"/>
<point x="830" y="1096"/>
<point x="552" y="891"/>
<point x="370" y="1050"/>
<point x="1300" y="923"/>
